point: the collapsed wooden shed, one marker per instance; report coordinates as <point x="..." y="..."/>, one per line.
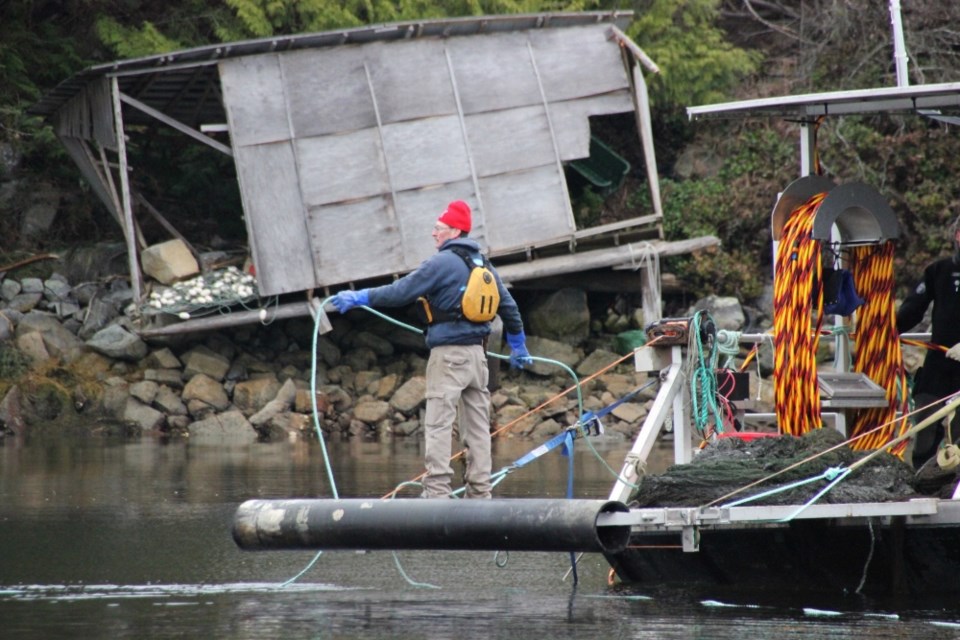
<point x="348" y="144"/>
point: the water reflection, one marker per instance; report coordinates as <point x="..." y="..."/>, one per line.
<point x="132" y="539"/>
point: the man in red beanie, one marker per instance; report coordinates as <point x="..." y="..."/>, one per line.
<point x="457" y="367"/>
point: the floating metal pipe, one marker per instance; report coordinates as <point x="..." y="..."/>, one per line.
<point x="474" y="525"/>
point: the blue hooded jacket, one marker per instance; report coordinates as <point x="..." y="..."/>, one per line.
<point x="442" y="279"/>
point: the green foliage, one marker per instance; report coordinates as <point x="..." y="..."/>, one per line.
<point x="264" y="18"/>
<point x="698" y="64"/>
<point x="132" y="42"/>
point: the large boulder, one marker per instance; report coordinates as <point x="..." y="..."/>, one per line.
<point x="59" y="342"/>
<point x="562" y="315"/>
<point x="118" y="343"/>
<point x="230" y="428"/>
<point x="169" y="262"/>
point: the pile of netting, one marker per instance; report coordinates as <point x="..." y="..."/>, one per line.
<point x="727" y="465"/>
<point x="216" y="290"/>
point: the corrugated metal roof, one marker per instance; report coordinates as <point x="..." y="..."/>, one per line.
<point x="930" y="99"/>
<point x="185" y="84"/>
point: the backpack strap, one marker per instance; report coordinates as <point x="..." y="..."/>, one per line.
<point x="433" y="315"/>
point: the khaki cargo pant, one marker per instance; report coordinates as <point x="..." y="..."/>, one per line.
<point x="457" y="374"/>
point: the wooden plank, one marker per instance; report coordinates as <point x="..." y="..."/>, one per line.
<point x="343" y="167"/>
<point x="83" y="157"/>
<point x="425" y="152"/>
<point x="637" y="52"/>
<point x="253" y="97"/>
<point x="578" y="62"/>
<point x="598" y="259"/>
<point x="572" y="125"/>
<point x="354" y="240"/>
<point x="136" y="281"/>
<point x="232" y="319"/>
<point x="410" y="79"/>
<point x="526" y="207"/>
<point x="493" y="72"/>
<point x="327" y="91"/>
<point x="275" y="218"/>
<point x="153" y="211"/>
<point x="524" y="131"/>
<point x="179" y="126"/>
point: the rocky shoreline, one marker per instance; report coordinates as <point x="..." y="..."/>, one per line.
<point x="71" y="359"/>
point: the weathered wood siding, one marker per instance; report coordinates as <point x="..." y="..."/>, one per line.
<point x="346" y="155"/>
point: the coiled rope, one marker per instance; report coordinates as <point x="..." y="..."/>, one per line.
<point x="798" y="271"/>
<point x="878" y="353"/>
<point x="798" y="322"/>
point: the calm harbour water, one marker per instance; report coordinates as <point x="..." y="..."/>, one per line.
<point x="132" y="540"/>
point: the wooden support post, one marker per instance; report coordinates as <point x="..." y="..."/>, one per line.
<point x="169" y="227"/>
<point x="128" y="227"/>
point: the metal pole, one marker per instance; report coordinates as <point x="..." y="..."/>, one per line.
<point x="899" y="46"/>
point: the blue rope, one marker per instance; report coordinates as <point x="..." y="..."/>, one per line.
<point x="568" y="447"/>
<point x="834" y="474"/>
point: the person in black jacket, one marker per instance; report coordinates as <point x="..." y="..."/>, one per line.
<point x="940" y="374"/>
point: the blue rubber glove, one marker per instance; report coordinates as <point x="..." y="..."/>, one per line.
<point x="519" y="356"/>
<point x="346" y="300"/>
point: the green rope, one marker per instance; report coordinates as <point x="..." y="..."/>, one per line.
<point x="703" y="380"/>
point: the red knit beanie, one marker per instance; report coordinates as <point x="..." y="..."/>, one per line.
<point x="457" y="216"/>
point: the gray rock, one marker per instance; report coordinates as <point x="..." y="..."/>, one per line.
<point x="551" y="350"/>
<point x="360" y="358"/>
<point x="371" y="411"/>
<point x="207" y="390"/>
<point x="56" y="289"/>
<point x="250" y="396"/>
<point x="288" y="425"/>
<point x="203" y="360"/>
<point x="11" y="412"/>
<point x="147" y="418"/>
<point x="229" y="428"/>
<point x="99" y="314"/>
<point x="145" y="391"/>
<point x="86" y="292"/>
<point x="170" y="377"/>
<point x="9" y="289"/>
<point x="24" y="302"/>
<point x="282" y="402"/>
<point x="7" y="327"/>
<point x="328" y="351"/>
<point x="375" y="343"/>
<point x="410" y="396"/>
<point x="630" y="412"/>
<point x="562" y="316"/>
<point x="116" y="342"/>
<point x="199" y="410"/>
<point x="406" y="428"/>
<point x="31" y="345"/>
<point x="726" y="311"/>
<point x="114" y="399"/>
<point x="163" y="359"/>
<point x="31" y="285"/>
<point x="178" y="422"/>
<point x="168" y="401"/>
<point x="66" y="308"/>
<point x="596" y="361"/>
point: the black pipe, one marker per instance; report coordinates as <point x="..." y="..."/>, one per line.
<point x="476" y="525"/>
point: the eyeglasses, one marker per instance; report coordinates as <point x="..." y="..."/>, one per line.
<point x="440" y="228"/>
